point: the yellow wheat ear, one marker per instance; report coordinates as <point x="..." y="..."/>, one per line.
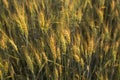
<point x="4" y="39"/>
<point x="6" y="3"/>
<point x="41" y="19"/>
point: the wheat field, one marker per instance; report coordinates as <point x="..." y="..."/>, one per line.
<point x="59" y="39"/>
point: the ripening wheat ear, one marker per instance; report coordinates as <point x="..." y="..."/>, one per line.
<point x="4" y="39"/>
<point x="20" y="17"/>
<point x="41" y="19"/>
<point x="6" y="3"/>
<point x="28" y="59"/>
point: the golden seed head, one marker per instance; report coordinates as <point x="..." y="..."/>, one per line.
<point x="42" y="19"/>
<point x="76" y="57"/>
<point x="6" y="3"/>
<point x="44" y="56"/>
<point x="106" y="48"/>
<point x="112" y="5"/>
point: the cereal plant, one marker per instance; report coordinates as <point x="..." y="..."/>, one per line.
<point x="59" y="40"/>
